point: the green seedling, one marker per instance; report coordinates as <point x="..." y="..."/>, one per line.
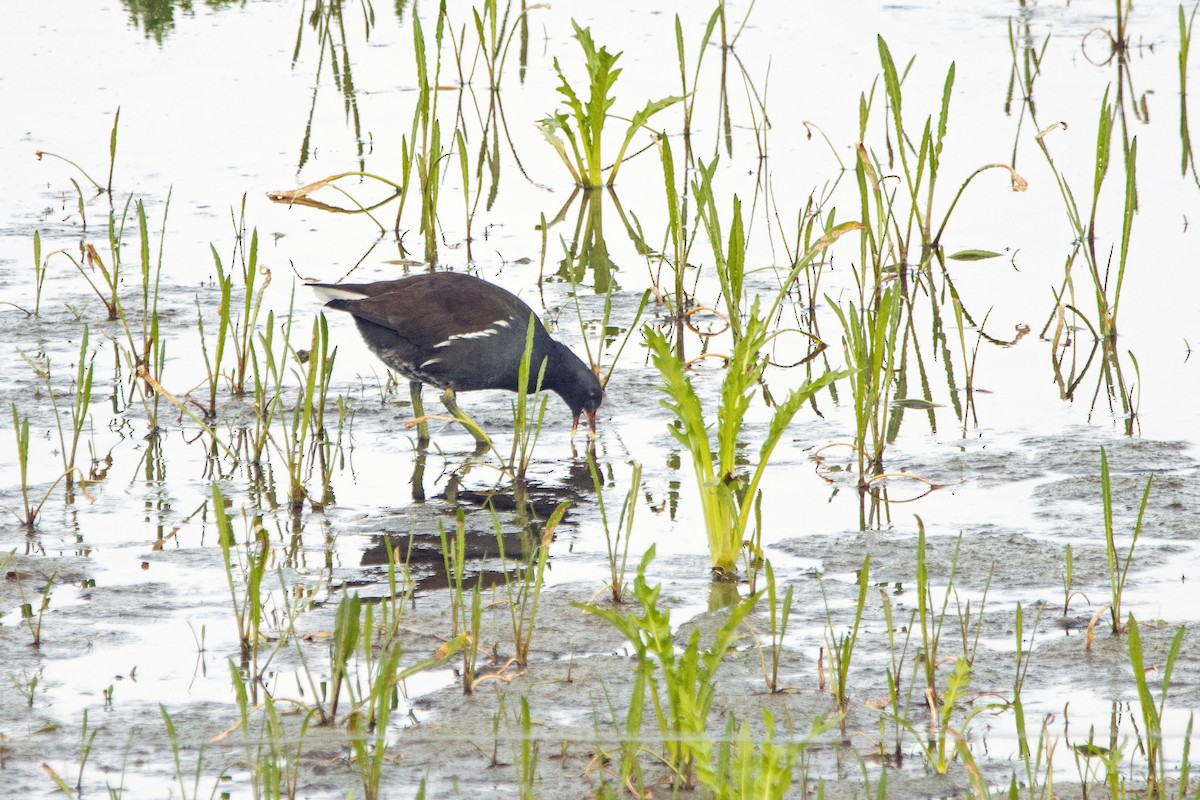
<point x="582" y="128"/>
<point x="368" y="731"/>
<point x="841" y="648"/>
<point x="313" y="370"/>
<point x="176" y="752"/>
<point x="727" y="493"/>
<point x="761" y="768"/>
<point x="897" y="652"/>
<point x="429" y="155"/>
<point x="1118" y="568"/>
<point x="273" y="754"/>
<point x="212" y="363"/>
<point x="30" y="509"/>
<point x="495" y="37"/>
<point x="1152" y="713"/>
<point x="779" y="614"/>
<point x="465" y="621"/>
<point x="347" y="630"/>
<point x="1107" y="298"/>
<point x="244" y="325"/>
<point x="682" y="698"/>
<point x="527" y="758"/>
<point x="728" y="261"/>
<point x="679" y="244"/>
<point x="39" y="272"/>
<point x="81" y="399"/>
<point x="88" y="738"/>
<point x="26" y="683"/>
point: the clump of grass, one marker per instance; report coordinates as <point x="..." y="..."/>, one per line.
<point x="584" y="125"/>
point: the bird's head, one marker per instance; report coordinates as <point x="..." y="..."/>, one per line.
<point x="577" y="384"/>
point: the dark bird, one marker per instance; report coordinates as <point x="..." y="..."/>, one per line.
<point x="461" y="333"/>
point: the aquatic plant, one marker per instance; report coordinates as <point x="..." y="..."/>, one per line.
<point x="176" y="752"/>
<point x="494" y="37"/>
<point x="584" y="125"/>
<point x="81" y="396"/>
<point x="40" y="266"/>
<point x="1107" y="293"/>
<point x="313" y="369"/>
<point x="727" y="493"/>
<point x="729" y="262"/>
<point x="527" y="757"/>
<point x="427" y="156"/>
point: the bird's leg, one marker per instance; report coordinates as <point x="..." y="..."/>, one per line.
<point x="414" y="391"/>
<point x="468" y="423"/>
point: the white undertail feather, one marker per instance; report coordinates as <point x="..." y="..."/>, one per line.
<point x="327" y="293"/>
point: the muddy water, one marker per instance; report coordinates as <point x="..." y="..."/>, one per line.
<point x="227" y="102"/>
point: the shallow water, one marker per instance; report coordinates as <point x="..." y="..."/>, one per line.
<point x="233" y="101"/>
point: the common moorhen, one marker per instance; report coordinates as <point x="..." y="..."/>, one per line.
<point x="461" y="333"/>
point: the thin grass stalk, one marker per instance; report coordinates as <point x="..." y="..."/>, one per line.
<point x="1118" y="571"/>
